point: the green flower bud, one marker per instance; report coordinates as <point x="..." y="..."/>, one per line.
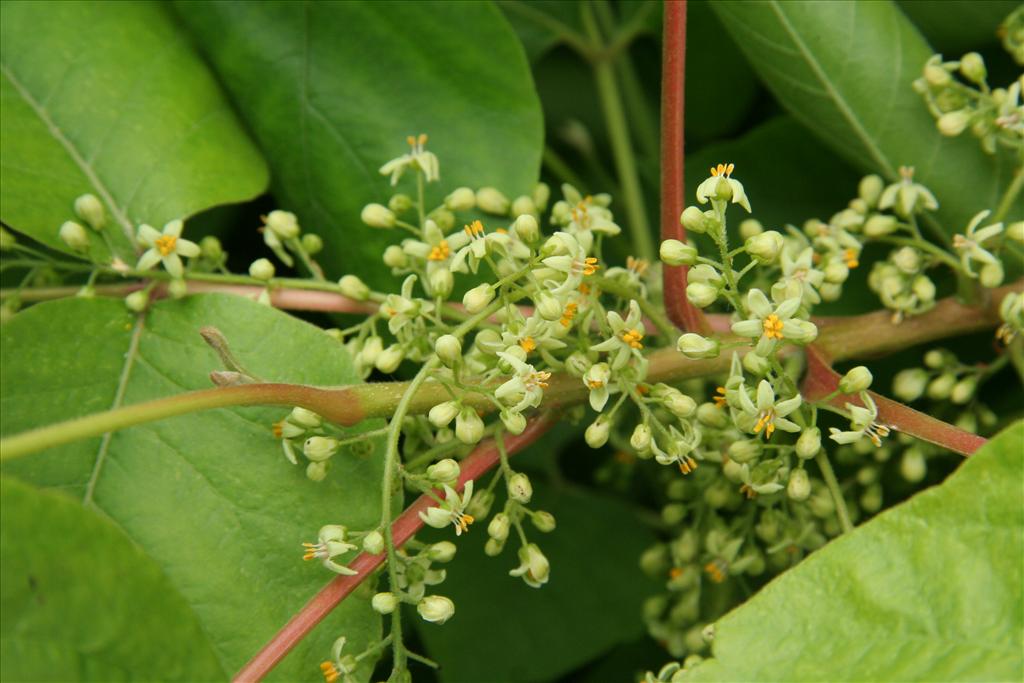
<point x="695" y="346"/>
<point x="809" y="443"/>
<point x="378" y="216"/>
<point x="799" y="486"/>
<point x="400" y="203"/>
<point x="941" y="387"/>
<point x="320" y="448"/>
<point x="936" y="76"/>
<point x="870" y="189"/>
<point x="354" y="288"/>
<point x="938" y="358"/>
<point x="676" y="253"/>
<point x="972" y="66"/>
<point x="444" y="472"/>
<point x="764" y="248"/>
<point x="733" y="471"/>
<point x="836" y="272"/>
<point x="137" y="301"/>
<point x="316" y="471"/>
<point x="441" y="283"/>
<point x="493" y="548"/>
<point x="519" y="488"/>
<point x="756" y="364"/>
<point x="514" y="423"/>
<point x="443" y="218"/>
<point x="373" y="543"/>
<point x="499" y="526"/>
<point x="913" y="467"/>
<point x="284" y="224"/>
<point x="700" y="294"/>
<point x="744" y="450"/>
<point x="693" y="220"/>
<point x="449" y="349"/>
<point x="963" y="391"/>
<point x="384" y="603"/>
<point x="312" y="243"/>
<point x="953" y="123"/>
<point x="523" y="206"/>
<point x="821" y="503"/>
<point x="991" y="274"/>
<point x="261" y="269"/>
<point x="443" y="551"/>
<point x="90" y="209"/>
<point x="541" y="195"/>
<point x="640" y="440"/>
<point x="543" y="521"/>
<point x="461" y="199"/>
<point x="871" y="499"/>
<point x="597" y="433"/>
<point x="654" y="561"/>
<point x="480" y="505"/>
<point x="492" y="201"/>
<point x="469" y="428"/>
<point x="680" y="405"/>
<point x="856" y="380"/>
<point x="967" y="422"/>
<point x="880" y="225"/>
<point x="436" y="609"/>
<point x="750" y="227"/>
<point x="394" y="257"/>
<point x="478" y="298"/>
<point x="305" y="418"/>
<point x="1015" y="231"/>
<point x="75" y="236"/>
<point x="177" y="289"/>
<point x="907" y="259"/>
<point x="711" y="415"/>
<point x="548" y="306"/>
<point x="443" y="413"/>
<point x="526" y="228"/>
<point x="389" y="359"/>
<point x="673" y="513"/>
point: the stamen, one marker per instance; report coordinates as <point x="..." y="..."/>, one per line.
<point x="633" y="337"/>
<point x="568" y="314"/>
<point x="475" y="230"/>
<point x="527" y="344"/>
<point x="850" y="257"/>
<point x="720" y="400"/>
<point x="329" y="671"/>
<point x="675" y="573"/>
<point x="724" y="170"/>
<point x="313" y="550"/>
<point x="441" y="251"/>
<point x="165" y="244"/>
<point x="748" y="491"/>
<point x="773" y="327"/>
<point x="595" y="384"/>
<point x="687" y="465"/>
<point x="589" y="265"/>
<point x="278" y="429"/>
<point x="716" y="570"/>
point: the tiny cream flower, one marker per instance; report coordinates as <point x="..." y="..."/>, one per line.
<point x="907" y="197"/>
<point x="863" y="423"/>
<point x="525" y="389"/>
<point x="768" y="415"/>
<point x="627" y="337"/>
<point x="770" y="326"/>
<point x="417" y="158"/>
<point x="451" y="510"/>
<point x="331" y="543"/>
<point x="971" y="244"/>
<point x="721" y="186"/>
<point x="596" y="378"/>
<point x="167" y="246"/>
<point x="533" y="566"/>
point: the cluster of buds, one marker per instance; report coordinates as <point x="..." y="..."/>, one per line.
<point x="304" y="431"/>
<point x="951" y="385"/>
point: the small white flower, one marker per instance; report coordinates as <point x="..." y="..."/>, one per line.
<point x="971" y="244"/>
<point x="906" y="196"/>
<point x="770" y="326"/>
<point x="627" y="337"/>
<point x="330" y="543"/>
<point x="721" y="185"/>
<point x="533" y="566"/>
<point x="525" y="389"/>
<point x="167" y="246"/>
<point x="768" y="415"/>
<point x="863" y="423"/>
<point x="417" y="158"/>
<point x="596" y="378"/>
<point x="451" y="511"/>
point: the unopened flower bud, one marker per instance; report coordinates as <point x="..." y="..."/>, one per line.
<point x="316" y="471"/>
<point x="137" y="301"/>
<point x="856" y="380"/>
<point x="449" y="349"/>
<point x="693" y="220"/>
<point x="177" y="289"/>
<point x="953" y="123"/>
<point x="523" y="206"/>
<point x="711" y="415"/>
<point x="394" y="257"/>
<point x="493" y="548"/>
<point x="89" y="208"/>
<point x="673" y="513"/>
<point x="443" y="413"/>
<point x="750" y="227"/>
<point x="541" y="195"/>
<point x="870" y="189"/>
<point x="809" y="443"/>
<point x="548" y="306"/>
<point x="436" y="608"/>
<point x="480" y="505"/>
<point x="676" y="253"/>
<point x="543" y="521"/>
<point x="756" y="364"/>
<point x="74" y="235"/>
<point x="936" y="76"/>
<point x="305" y="418"/>
<point x="909" y="384"/>
<point x="442" y="282"/>
<point x="765" y="247"/>
<point x="963" y="391"/>
<point x="499" y="527"/>
<point x="941" y="387"/>
<point x="469" y="428"/>
<point x="373" y="543"/>
<point x="519" y="488"/>
<point x="400" y="203"/>
<point x="384" y="603"/>
<point x="1015" y="231"/>
<point x="799" y="487"/>
<point x="598" y="432"/>
<point x="320" y="448"/>
<point x="701" y="295"/>
<point x="389" y="359"/>
<point x="261" y="269"/>
<point x="444" y="471"/>
<point x="991" y="274"/>
<point x="640" y="440"/>
<point x="680" y="405"/>
<point x="514" y="423"/>
<point x="461" y="199"/>
<point x="492" y="201"/>
<point x="378" y="216"/>
<point x="442" y="551"/>
<point x="477" y="298"/>
<point x="879" y="225"/>
<point x="972" y="66"/>
<point x="695" y="346"/>
<point x="913" y="467"/>
<point x="284" y="224"/>
<point x="354" y="288"/>
<point x="526" y="228"/>
<point x="744" y="450"/>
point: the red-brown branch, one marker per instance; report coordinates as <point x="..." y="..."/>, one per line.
<point x="482" y="459"/>
<point x="821" y="380"/>
<point x="673" y="77"/>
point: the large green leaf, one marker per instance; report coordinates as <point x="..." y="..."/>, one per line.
<point x="844" y="69"/>
<point x="110" y="98"/>
<point x="331" y="90"/>
<point x="953" y="27"/>
<point x="210" y="497"/>
<point x="81" y="602"/>
<point x="504" y="630"/>
<point x="929" y="590"/>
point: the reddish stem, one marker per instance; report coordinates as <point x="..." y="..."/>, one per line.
<point x="482" y="459"/>
<point x="673" y="77"/>
<point x="821" y="380"/>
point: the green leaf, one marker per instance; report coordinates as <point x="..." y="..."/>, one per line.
<point x="210" y="496"/>
<point x="504" y="630"/>
<point x="928" y="590"/>
<point x="331" y="90"/>
<point x="111" y="99"/>
<point x="844" y="69"/>
<point x="81" y="602"/>
<point x="953" y="27"/>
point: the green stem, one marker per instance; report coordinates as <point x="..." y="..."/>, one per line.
<point x="1010" y="196"/>
<point x="622" y="147"/>
<point x="833" y="487"/>
<point x="561" y="31"/>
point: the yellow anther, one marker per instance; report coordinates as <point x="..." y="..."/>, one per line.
<point x="637" y="265"/>
<point x="633" y="337"/>
<point x="850" y="257"/>
<point x="595" y="384"/>
<point x="165" y="244"/>
<point x="278" y="429"/>
<point x="474" y="229"/>
<point x="687" y="465"/>
<point x="440" y="252"/>
<point x="773" y="327"/>
<point x="527" y="344"/>
<point x="716" y="570"/>
<point x="722" y="170"/>
<point x="589" y="265"/>
<point x="766" y="422"/>
<point x="329" y="671"/>
<point x="568" y="314"/>
<point x="720" y="397"/>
